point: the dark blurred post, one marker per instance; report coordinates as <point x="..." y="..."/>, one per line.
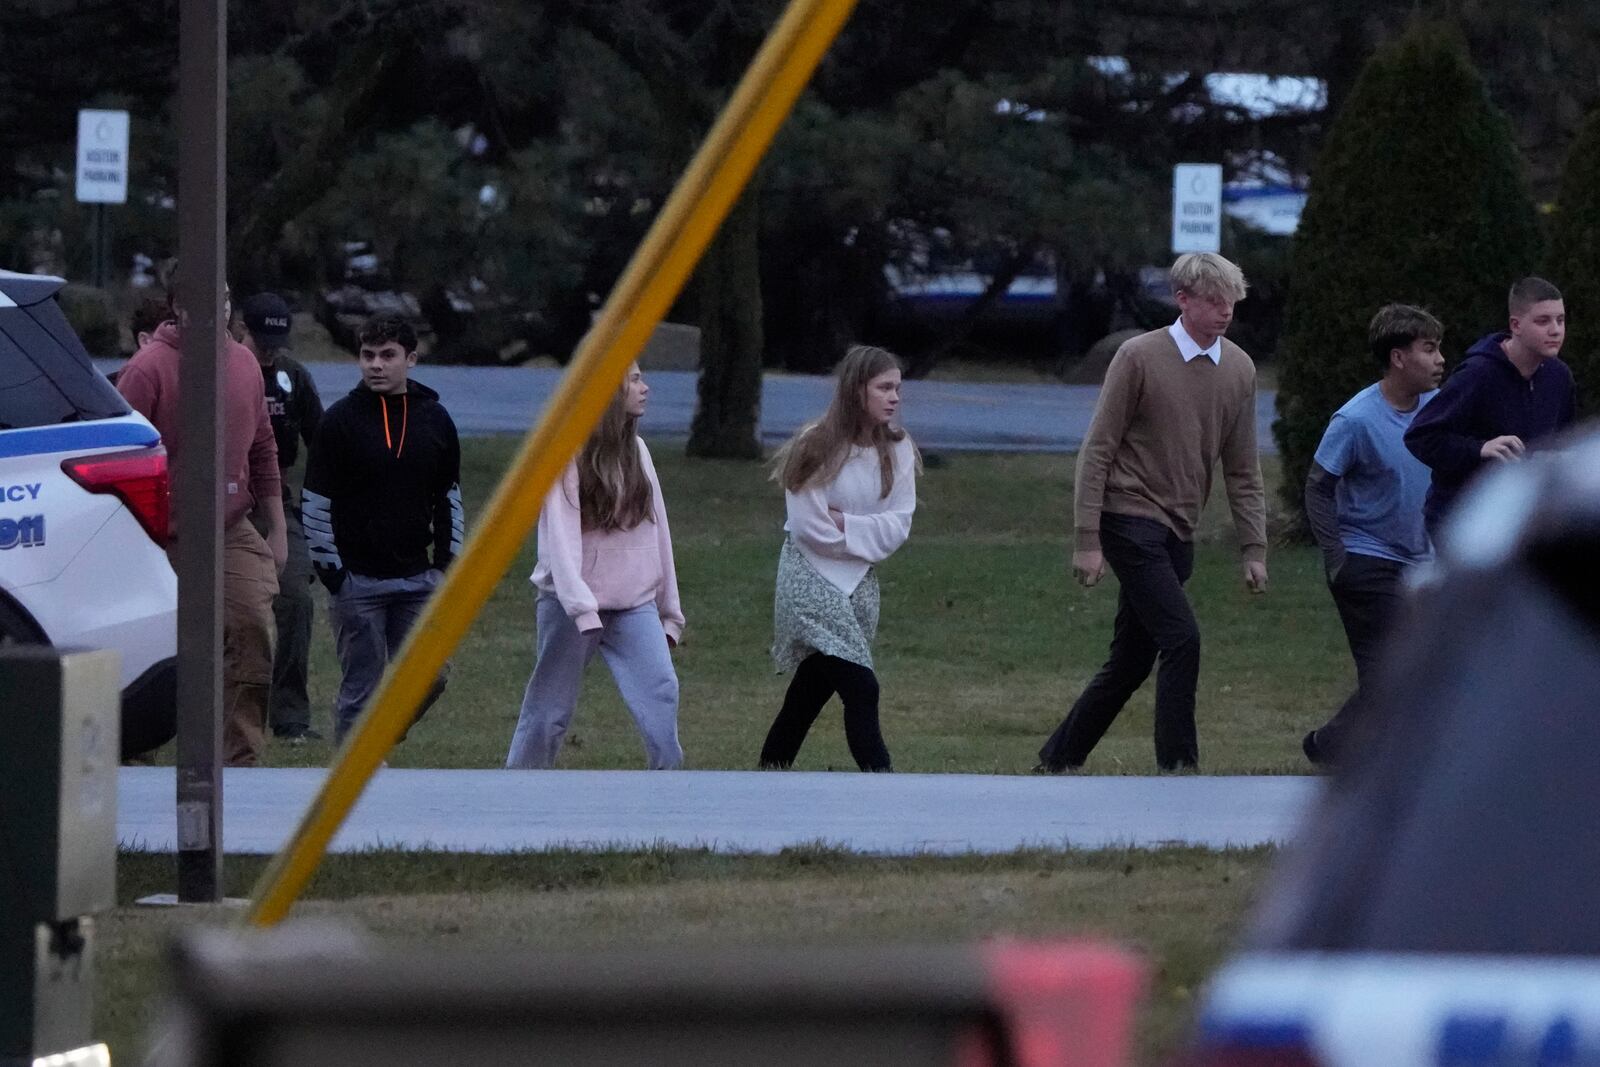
<point x="59" y="826"/>
<point x="202" y="196"/>
<point x="99" y="269"/>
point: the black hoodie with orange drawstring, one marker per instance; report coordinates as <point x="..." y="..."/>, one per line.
<point x="382" y="493"/>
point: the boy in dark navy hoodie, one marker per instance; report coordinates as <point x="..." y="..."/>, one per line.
<point x="382" y="509"/>
<point x="1511" y="393"/>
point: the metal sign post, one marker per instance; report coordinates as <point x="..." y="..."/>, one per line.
<point x="1196" y="208"/>
<point x="202" y="122"/>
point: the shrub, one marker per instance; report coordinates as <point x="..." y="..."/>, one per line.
<point x="93" y="318"/>
<point x="1574" y="263"/>
<point x="1419" y="196"/>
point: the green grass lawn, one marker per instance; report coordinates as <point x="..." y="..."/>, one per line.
<point x="984" y="643"/>
<point x="1180" y="909"/>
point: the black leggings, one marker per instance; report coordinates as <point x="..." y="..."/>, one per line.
<point x="816" y="679"/>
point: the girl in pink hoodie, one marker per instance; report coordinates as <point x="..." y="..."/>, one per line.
<point x="605" y="583"/>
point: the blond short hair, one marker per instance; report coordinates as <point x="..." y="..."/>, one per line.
<point x="1208" y="274"/>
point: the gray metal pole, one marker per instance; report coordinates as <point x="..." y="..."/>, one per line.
<point x="98" y="271"/>
<point x="202" y="197"/>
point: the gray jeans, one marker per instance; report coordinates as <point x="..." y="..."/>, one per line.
<point x="371" y="617"/>
<point x="635" y="648"/>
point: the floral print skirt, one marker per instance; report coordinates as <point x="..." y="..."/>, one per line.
<point x="810" y="614"/>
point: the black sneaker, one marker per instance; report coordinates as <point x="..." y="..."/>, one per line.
<point x="1313" y="751"/>
<point x="1045" y="768"/>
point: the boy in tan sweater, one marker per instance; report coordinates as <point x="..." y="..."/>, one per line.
<point x="1175" y="401"/>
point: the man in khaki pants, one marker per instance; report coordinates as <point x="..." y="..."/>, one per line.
<point x="250" y="481"/>
<point x="249" y="635"/>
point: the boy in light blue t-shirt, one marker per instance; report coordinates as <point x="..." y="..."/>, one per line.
<point x="1365" y="494"/>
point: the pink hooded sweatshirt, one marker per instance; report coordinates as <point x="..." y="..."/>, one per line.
<point x="149" y="383"/>
<point x="590" y="571"/>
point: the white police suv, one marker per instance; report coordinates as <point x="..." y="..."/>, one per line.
<point x="84" y="503"/>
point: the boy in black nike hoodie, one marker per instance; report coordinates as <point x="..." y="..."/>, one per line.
<point x="382" y="510"/>
<point x="1510" y="394"/>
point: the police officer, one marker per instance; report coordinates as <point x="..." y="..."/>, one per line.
<point x="295" y="408"/>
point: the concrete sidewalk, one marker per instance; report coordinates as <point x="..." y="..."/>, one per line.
<point x="734" y="811"/>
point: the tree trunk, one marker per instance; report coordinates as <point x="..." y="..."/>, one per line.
<point x="728" y="290"/>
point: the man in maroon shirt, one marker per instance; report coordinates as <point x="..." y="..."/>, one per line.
<point x="251" y="481"/>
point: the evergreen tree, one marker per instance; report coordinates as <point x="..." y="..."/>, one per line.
<point x="1419" y="196"/>
<point x="1574" y="264"/>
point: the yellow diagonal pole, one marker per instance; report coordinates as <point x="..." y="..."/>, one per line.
<point x="687" y="222"/>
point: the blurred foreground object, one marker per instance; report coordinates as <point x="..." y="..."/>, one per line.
<point x="247" y="1002"/>
<point x="1401" y="1010"/>
<point x="1439" y="905"/>
<point x="58" y="829"/>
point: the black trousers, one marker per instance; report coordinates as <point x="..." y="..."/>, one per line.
<point x="293" y="609"/>
<point x="816" y="680"/>
<point x="1154" y="621"/>
<point x="1368" y="595"/>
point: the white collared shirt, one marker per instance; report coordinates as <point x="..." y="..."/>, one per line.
<point x="1190" y="348"/>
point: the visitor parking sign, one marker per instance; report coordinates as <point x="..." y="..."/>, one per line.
<point x="102" y="157"/>
<point x="1197" y="207"/>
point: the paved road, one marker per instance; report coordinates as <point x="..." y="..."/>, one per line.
<point x="940" y="415"/>
<point x="735" y="811"/>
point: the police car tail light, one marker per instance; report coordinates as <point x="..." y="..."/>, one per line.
<point x="138" y="478"/>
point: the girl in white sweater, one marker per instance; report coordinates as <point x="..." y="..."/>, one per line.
<point x="850" y="486"/>
<point x="605" y="583"/>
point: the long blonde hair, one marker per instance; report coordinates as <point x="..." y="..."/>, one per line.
<point x="613" y="491"/>
<point x="815" y="454"/>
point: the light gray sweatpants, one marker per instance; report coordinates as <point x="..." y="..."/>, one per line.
<point x="635" y="648"/>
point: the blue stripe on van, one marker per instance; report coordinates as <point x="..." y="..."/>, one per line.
<point x="74" y="437"/>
